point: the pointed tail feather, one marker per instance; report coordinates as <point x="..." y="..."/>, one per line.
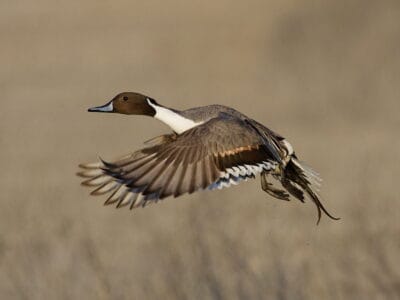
<point x="298" y="178"/>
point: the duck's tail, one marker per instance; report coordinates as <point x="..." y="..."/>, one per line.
<point x="299" y="179"/>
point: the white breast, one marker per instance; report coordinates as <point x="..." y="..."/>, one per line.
<point x="174" y="120"/>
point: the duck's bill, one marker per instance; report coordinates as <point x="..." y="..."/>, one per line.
<point x="104" y="108"/>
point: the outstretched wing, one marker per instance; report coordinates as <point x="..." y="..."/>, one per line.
<point x="216" y="154"/>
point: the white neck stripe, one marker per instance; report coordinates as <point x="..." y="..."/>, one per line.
<point x="174" y="120"/>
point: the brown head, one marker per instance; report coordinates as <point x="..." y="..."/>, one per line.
<point x="128" y="103"/>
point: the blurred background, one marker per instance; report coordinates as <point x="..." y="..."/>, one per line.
<point x="325" y="74"/>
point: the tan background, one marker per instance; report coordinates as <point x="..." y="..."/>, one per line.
<point x="325" y="74"/>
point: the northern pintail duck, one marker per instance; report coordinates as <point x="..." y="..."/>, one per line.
<point x="211" y="147"/>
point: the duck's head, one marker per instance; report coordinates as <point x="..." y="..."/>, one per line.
<point x="128" y="103"/>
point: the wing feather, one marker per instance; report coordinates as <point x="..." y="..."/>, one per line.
<point x="179" y="164"/>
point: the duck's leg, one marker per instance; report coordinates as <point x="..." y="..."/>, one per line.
<point x="270" y="189"/>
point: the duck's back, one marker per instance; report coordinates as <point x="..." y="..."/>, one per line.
<point x="205" y="113"/>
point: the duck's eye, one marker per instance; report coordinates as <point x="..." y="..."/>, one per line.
<point x="125" y="98"/>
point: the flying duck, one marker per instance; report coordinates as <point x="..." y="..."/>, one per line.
<point x="211" y="147"/>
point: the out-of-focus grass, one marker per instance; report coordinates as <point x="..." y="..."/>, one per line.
<point x="325" y="75"/>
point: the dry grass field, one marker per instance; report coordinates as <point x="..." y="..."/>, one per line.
<point x="325" y="74"/>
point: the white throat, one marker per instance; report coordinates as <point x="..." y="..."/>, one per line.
<point x="174" y="120"/>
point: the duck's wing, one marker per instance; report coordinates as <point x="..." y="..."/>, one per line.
<point x="216" y="154"/>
